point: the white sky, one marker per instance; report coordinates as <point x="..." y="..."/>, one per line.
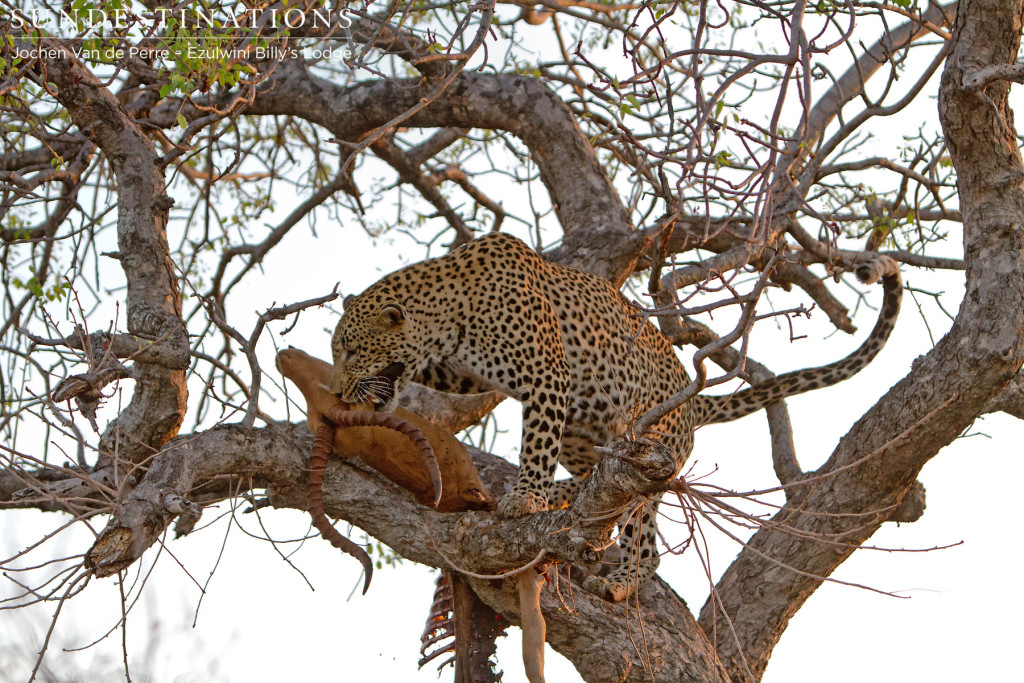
<point x="259" y="621"/>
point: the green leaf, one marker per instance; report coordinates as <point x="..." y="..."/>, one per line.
<point x="181" y="121"/>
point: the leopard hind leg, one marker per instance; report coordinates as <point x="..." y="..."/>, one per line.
<point x="563" y="492"/>
<point x="638" y="537"/>
<point x="638" y="542"/>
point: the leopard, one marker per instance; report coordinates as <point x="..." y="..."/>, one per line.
<point x="493" y="315"/>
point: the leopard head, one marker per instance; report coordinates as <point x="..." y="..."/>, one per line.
<point x="374" y="352"/>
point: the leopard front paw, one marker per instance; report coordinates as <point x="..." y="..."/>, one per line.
<point x="519" y="502"/>
<point x="612" y="591"/>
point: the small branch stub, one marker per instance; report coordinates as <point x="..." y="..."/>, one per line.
<point x="980" y="78"/>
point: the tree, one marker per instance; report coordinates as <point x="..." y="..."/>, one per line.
<point x="675" y="146"/>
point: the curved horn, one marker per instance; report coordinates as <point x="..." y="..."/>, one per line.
<point x="348" y="418"/>
<point x="322" y="445"/>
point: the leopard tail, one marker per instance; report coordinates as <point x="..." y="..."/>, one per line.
<point x="711" y="409"/>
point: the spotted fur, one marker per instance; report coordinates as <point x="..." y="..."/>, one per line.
<point x="493" y="315"/>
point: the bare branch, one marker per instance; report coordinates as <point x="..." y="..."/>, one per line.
<point x="980" y="78"/>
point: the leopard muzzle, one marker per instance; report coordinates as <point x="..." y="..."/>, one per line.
<point x="384" y="383"/>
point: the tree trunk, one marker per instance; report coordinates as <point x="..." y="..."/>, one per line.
<point x="875" y="464"/>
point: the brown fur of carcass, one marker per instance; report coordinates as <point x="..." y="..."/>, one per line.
<point x="385" y="450"/>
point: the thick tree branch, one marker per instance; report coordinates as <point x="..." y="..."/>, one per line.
<point x="275" y="458"/>
<point x="1010" y="400"/>
<point x="587" y="204"/>
<point x="978" y="80"/>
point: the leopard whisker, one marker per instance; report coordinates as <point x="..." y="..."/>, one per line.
<point x="372" y="386"/>
<point x="377" y="389"/>
<point x="378" y="396"/>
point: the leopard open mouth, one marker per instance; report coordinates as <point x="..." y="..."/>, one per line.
<point x="386" y="379"/>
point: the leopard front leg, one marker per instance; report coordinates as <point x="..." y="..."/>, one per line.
<point x="639" y="543"/>
<point x="543" y="421"/>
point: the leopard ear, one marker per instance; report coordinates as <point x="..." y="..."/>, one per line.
<point x="391" y="314"/>
<point x="347" y="301"/>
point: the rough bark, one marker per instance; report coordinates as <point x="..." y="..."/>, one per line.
<point x="586" y="203"/>
<point x="948" y="388"/>
<point x="1010" y="400"/>
<point x="597" y="636"/>
<point x="152" y="298"/>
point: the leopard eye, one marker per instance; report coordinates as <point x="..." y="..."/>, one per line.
<point x="347" y="349"/>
